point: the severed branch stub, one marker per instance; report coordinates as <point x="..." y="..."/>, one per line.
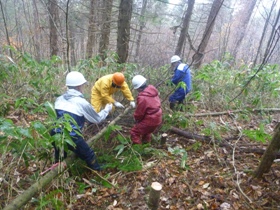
<point x="154" y="196"/>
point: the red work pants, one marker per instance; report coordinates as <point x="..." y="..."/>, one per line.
<point x="141" y="133"/>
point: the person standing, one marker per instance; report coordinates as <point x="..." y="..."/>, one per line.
<point x="105" y="87"/>
<point x="74" y="104"/>
<point x="148" y="112"/>
<point x="182" y="79"/>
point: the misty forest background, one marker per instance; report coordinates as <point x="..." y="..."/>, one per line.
<point x="144" y="32"/>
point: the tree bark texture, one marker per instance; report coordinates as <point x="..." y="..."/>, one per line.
<point x="124" y="19"/>
<point x="142" y="23"/>
<point x="267" y="21"/>
<point x="53" y="20"/>
<point x="154" y="196"/>
<point x="6" y="29"/>
<point x="245" y="16"/>
<point x="37" y="32"/>
<point x="185" y="28"/>
<point x="198" y="56"/>
<point x="274" y="33"/>
<point x="91" y="29"/>
<point x="270" y="154"/>
<point x="105" y="27"/>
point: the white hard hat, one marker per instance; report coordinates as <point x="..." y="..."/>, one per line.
<point x="75" y="78"/>
<point x="138" y="81"/>
<point x="175" y="58"/>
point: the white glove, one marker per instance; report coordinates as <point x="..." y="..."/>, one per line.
<point x="132" y="104"/>
<point x="108" y="107"/>
<point x="118" y="104"/>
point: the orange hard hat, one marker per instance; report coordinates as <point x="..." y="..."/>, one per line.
<point x="118" y="78"/>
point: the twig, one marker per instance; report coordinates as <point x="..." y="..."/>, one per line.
<point x="235" y="170"/>
<point x="101" y="176"/>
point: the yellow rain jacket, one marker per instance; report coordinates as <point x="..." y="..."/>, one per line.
<point x="102" y="91"/>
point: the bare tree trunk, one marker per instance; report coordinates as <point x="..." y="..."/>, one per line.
<point x="185" y="28"/>
<point x="270" y="153"/>
<point x="37" y="31"/>
<point x="124" y="19"/>
<point x="264" y="32"/>
<point x="72" y="45"/>
<point x="198" y="56"/>
<point x="141" y="27"/>
<point x="68" y="51"/>
<point x="105" y="28"/>
<point x="6" y="29"/>
<point x="91" y="29"/>
<point x="29" y="25"/>
<point x="18" y="41"/>
<point x="244" y="20"/>
<point x="273" y="39"/>
<point x="53" y="10"/>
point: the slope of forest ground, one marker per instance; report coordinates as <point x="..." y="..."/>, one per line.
<point x="216" y="177"/>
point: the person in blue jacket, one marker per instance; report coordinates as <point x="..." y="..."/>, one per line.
<point x="74" y="104"/>
<point x="182" y="79"/>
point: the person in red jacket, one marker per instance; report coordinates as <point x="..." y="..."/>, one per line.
<point x="148" y="112"/>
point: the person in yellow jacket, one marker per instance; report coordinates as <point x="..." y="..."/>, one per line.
<point x="105" y="87"/>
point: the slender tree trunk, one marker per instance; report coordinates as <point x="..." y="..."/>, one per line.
<point x="36" y="31"/>
<point x="141" y="27"/>
<point x="273" y="39"/>
<point x="185" y="28"/>
<point x="18" y="41"/>
<point x="264" y="32"/>
<point x="105" y="28"/>
<point x="198" y="56"/>
<point x="124" y="19"/>
<point x="53" y="10"/>
<point x="68" y="36"/>
<point x="270" y="153"/>
<point x="72" y="41"/>
<point x="91" y="29"/>
<point x="245" y="18"/>
<point x="6" y="29"/>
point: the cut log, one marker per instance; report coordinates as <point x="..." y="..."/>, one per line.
<point x="23" y="198"/>
<point x="154" y="196"/>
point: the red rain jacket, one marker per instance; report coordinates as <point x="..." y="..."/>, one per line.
<point x="148" y="108"/>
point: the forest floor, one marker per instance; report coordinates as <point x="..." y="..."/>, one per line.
<point x="216" y="178"/>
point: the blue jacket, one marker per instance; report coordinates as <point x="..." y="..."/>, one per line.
<point x="182" y="73"/>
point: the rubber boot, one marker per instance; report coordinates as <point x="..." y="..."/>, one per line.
<point x="172" y="105"/>
<point x="94" y="165"/>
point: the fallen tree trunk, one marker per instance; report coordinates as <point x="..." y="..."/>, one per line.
<point x="222" y="143"/>
<point x="229" y="112"/>
<point x="23" y="198"/>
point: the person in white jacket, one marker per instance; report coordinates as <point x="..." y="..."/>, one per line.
<point x="74" y="104"/>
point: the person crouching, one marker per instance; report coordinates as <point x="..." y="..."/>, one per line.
<point x="148" y="112"/>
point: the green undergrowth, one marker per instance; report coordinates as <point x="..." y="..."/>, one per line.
<point x="29" y="88"/>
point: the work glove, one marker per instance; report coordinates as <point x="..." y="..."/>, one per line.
<point x="108" y="107"/>
<point x="132" y="104"/>
<point x="118" y="104"/>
